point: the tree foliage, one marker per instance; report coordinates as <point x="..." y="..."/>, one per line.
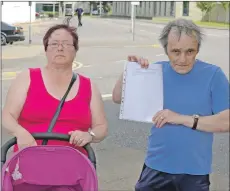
<point x="225" y="5"/>
<point x="205" y="6"/>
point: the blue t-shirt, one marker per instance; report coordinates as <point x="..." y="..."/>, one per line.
<point x="79" y="11"/>
<point x="178" y="149"/>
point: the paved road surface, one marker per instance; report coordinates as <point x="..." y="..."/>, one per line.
<point x="104" y="46"/>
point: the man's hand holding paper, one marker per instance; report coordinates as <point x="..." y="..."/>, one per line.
<point x="142" y="91"/>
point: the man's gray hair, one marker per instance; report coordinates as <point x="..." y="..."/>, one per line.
<point x="181" y="25"/>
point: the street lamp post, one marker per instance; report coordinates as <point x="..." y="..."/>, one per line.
<point x="100" y="8"/>
<point x="133" y="17"/>
<point x="30" y="40"/>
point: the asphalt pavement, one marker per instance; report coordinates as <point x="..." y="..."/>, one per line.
<point x="104" y="47"/>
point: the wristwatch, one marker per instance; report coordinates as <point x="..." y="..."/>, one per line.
<point x="196" y="119"/>
<point x="92" y="133"/>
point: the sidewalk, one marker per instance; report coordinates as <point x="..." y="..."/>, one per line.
<point x="164" y="21"/>
<point x="207" y="25"/>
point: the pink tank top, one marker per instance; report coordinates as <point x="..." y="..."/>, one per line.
<point x="40" y="107"/>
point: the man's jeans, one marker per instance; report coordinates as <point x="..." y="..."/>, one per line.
<point x="79" y="20"/>
<point x="153" y="180"/>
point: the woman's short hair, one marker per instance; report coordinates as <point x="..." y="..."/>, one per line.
<point x="71" y="30"/>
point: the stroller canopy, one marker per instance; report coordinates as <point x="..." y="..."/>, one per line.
<point x="49" y="168"/>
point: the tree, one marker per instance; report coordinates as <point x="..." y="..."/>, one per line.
<point x="225" y="5"/>
<point x="206" y="7"/>
<point x="106" y="6"/>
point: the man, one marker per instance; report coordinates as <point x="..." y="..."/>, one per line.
<point x="79" y="12"/>
<point x="196" y="104"/>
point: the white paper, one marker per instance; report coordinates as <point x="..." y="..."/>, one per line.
<point x="142" y="92"/>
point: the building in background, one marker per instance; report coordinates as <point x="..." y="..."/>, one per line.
<point x="146" y="9"/>
<point x="47" y="6"/>
<point x="17" y="12"/>
<point x="62" y="7"/>
<point x="170" y="9"/>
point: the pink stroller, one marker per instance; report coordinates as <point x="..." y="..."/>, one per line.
<point x="49" y="168"/>
<point x="40" y="168"/>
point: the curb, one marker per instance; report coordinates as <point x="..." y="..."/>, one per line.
<point x="162" y="23"/>
<point x="202" y="26"/>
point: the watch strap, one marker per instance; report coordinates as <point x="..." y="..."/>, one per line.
<point x="196" y="119"/>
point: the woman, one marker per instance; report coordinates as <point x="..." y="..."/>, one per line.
<point x="35" y="94"/>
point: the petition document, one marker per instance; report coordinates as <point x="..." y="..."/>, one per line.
<point x="142" y="94"/>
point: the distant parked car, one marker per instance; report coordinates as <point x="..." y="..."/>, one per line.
<point x="97" y="11"/>
<point x="10" y="33"/>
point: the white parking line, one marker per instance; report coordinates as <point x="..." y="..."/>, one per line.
<point x="106" y="96"/>
<point x="87" y="66"/>
<point x="218" y="35"/>
<point x="148" y="32"/>
<point x="121" y="61"/>
<point x="160" y="54"/>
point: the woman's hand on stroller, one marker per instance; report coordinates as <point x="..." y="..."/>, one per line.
<point x="25" y="139"/>
<point x="80" y="138"/>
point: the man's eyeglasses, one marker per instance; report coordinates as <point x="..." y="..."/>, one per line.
<point x="56" y="45"/>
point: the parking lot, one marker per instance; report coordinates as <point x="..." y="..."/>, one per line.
<point x="104" y="47"/>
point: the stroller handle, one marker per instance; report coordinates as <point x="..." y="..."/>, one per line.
<point x="47" y="136"/>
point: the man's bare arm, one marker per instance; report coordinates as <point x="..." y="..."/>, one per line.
<point x="214" y="123"/>
<point x="117" y="90"/>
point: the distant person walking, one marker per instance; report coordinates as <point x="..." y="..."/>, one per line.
<point x="79" y="12"/>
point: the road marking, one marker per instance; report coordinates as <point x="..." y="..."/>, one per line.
<point x="160" y="54"/>
<point x="156" y="46"/>
<point x="121" y="61"/>
<point x="87" y="66"/>
<point x="106" y="96"/>
<point x="124" y="61"/>
<point x="150" y="24"/>
<point x="127" y="46"/>
<point x="148" y="32"/>
<point x="12" y="75"/>
<point x="216" y="35"/>
<point x="143" y="46"/>
<point x="9" y="75"/>
<point x="76" y="65"/>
